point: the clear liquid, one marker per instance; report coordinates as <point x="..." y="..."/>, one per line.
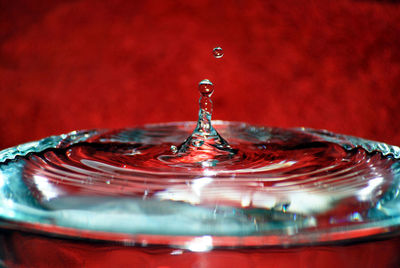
<point x="295" y="186"/>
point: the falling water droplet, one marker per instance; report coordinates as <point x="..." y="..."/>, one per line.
<point x="218" y="52"/>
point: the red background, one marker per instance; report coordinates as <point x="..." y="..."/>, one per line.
<point x="67" y="65"/>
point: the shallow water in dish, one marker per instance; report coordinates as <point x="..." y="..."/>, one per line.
<point x="297" y="185"/>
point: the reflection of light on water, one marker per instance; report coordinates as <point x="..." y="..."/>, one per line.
<point x="365" y="193"/>
<point x="198" y="184"/>
<point x="2" y="177"/>
<point x="206" y="190"/>
<point x="246" y="201"/>
<point x="45" y="188"/>
<point x="177" y="252"/>
<point x="200" y="244"/>
<point x="191" y="194"/>
<point x="6" y="204"/>
<point x="209" y="172"/>
<point x="282" y="164"/>
<point x="7" y="208"/>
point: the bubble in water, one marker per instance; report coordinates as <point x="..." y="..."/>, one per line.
<point x="206" y="88"/>
<point x="197" y="143"/>
<point x="218" y="52"/>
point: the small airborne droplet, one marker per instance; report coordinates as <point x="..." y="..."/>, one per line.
<point x="206" y="88"/>
<point x="218" y="52"/>
<point x="174" y="149"/>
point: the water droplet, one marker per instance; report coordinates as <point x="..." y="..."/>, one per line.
<point x="218" y="52"/>
<point x="206" y="88"/>
<point x="174" y="149"/>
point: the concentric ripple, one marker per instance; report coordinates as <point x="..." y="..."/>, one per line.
<point x="287" y="183"/>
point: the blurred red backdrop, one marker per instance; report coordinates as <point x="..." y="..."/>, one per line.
<point x="67" y="65"/>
